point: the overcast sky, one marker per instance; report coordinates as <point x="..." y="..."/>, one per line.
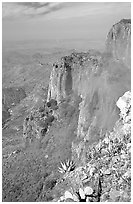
<point x="24" y="21"/>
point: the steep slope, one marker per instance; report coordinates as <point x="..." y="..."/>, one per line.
<point x="106" y="174"/>
<point x="99" y="80"/>
<point x="86" y="87"/>
<point x="102" y="148"/>
<point x="118" y="41"/>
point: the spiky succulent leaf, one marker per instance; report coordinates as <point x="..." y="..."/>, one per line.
<point x="66" y="166"/>
<point x="68" y="163"/>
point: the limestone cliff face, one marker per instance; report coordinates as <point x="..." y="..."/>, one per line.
<point x="119" y="41"/>
<point x="57" y="89"/>
<point x="99" y="80"/>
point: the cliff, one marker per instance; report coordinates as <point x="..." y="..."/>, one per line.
<point x="106" y="174"/>
<point x="99" y="79"/>
<point x="118" y="41"/>
<point x="78" y="136"/>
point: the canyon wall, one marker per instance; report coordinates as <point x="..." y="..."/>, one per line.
<point x="99" y="79"/>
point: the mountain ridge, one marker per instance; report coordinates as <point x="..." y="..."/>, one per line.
<point x="81" y="110"/>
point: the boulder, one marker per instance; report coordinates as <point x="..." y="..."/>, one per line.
<point x="68" y="195"/>
<point x="88" y="190"/>
<point x="81" y="193"/>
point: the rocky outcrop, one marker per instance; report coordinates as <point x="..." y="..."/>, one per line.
<point x="37" y="124"/>
<point x="91" y="124"/>
<point x="99" y="80"/>
<point x="92" y="82"/>
<point x="60" y="85"/>
<point x="118" y="41"/>
<point x="102" y="148"/>
<point x="70" y="73"/>
<point x="124" y="104"/>
<point x="107" y="168"/>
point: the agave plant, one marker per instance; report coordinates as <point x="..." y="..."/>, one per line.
<point x="66" y="166"/>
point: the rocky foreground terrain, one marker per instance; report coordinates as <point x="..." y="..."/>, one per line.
<point x="80" y="137"/>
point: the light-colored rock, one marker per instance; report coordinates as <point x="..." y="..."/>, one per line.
<point x="126" y="128"/>
<point x="92" y="170"/>
<point x="46" y="156"/>
<point x="114" y="194"/>
<point x="62" y="198"/>
<point x="124" y="104"/>
<point x="122" y="152"/>
<point x="68" y="195"/>
<point x="82" y="193"/>
<point x="107" y="172"/>
<point x="106" y="140"/>
<point x="127" y="174"/>
<point x="87" y="199"/>
<point x="88" y="190"/>
<point x="75" y="198"/>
